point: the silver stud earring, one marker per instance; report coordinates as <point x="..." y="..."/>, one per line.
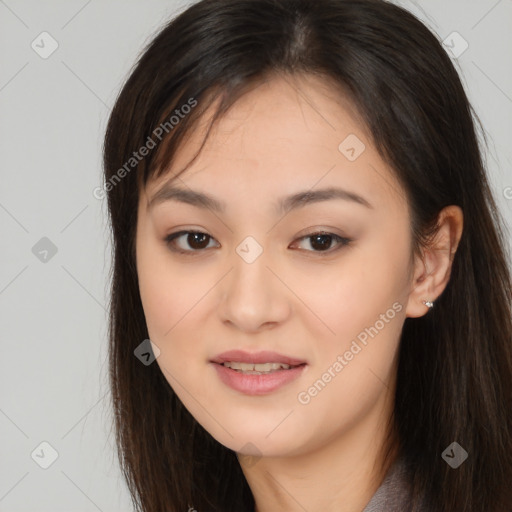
<point x="428" y="303"/>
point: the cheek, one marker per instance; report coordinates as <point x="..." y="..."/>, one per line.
<point x="362" y="302"/>
<point x="168" y="301"/>
<point x="167" y="293"/>
<point x="350" y="296"/>
<point x="354" y="368"/>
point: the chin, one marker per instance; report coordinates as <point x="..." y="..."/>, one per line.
<point x="260" y="438"/>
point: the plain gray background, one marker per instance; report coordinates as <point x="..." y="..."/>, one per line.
<point x="53" y="372"/>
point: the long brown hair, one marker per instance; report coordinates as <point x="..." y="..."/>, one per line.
<point x="455" y="364"/>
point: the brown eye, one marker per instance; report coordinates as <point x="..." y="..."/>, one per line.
<point x="195" y="240"/>
<point x="322" y="241"/>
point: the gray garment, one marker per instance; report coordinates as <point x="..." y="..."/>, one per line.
<point x="393" y="495"/>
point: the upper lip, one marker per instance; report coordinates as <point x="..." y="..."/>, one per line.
<point x="265" y="356"/>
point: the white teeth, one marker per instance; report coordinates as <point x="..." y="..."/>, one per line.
<point x="256" y="368"/>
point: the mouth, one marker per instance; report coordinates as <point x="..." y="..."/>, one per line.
<point x="250" y="359"/>
<point x="258" y="369"/>
<point x="257" y="373"/>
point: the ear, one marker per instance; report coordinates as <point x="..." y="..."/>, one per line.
<point x="433" y="268"/>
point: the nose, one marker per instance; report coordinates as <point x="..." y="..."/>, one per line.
<point x="253" y="295"/>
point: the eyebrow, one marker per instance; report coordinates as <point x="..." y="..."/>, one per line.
<point x="283" y="205"/>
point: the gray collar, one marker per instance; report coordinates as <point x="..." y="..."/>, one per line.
<point x="393" y="495"/>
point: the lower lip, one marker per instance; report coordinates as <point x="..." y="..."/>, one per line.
<point x="257" y="384"/>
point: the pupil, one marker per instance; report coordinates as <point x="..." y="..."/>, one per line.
<point x="195" y="237"/>
<point x="321" y="245"/>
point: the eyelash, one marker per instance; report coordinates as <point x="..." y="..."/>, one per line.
<point x="342" y="242"/>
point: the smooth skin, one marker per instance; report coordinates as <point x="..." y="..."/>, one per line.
<point x="300" y="298"/>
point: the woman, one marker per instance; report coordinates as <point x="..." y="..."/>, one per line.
<point x="303" y="228"/>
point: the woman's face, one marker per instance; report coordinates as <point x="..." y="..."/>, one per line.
<point x="258" y="281"/>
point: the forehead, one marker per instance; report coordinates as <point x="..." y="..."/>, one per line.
<point x="286" y="133"/>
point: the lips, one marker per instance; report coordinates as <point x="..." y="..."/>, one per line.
<point x="255" y="383"/>
<point x="266" y="356"/>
